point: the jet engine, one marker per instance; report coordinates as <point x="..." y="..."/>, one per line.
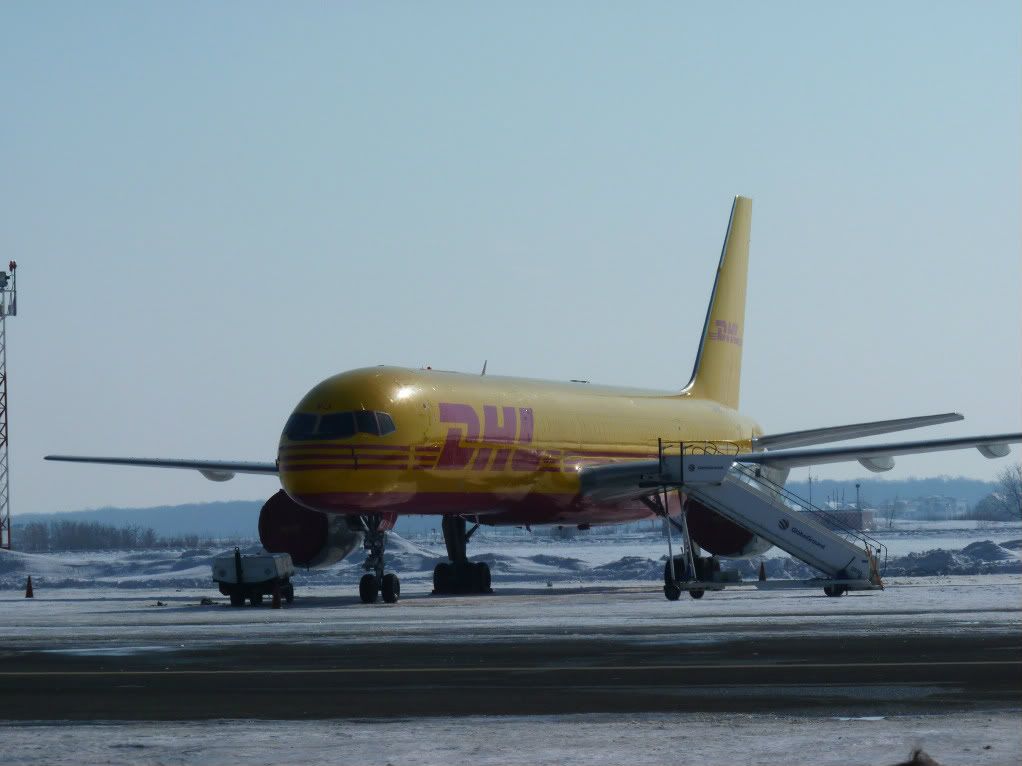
<point x="312" y="538"/>
<point x="720" y="536"/>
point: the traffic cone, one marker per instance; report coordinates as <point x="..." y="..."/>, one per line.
<point x="276" y="597"/>
<point x="762" y="571"/>
<point x="28" y="588"/>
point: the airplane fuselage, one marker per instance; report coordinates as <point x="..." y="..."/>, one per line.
<point x="508" y="450"/>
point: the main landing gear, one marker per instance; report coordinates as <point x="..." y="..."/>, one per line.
<point x="374" y="582"/>
<point x="460" y="575"/>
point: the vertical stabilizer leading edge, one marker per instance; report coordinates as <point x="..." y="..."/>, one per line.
<point x="717" y="373"/>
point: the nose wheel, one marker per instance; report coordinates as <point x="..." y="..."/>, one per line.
<point x="375" y="582"/>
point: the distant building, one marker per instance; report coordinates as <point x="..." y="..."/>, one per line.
<point x="932" y="508"/>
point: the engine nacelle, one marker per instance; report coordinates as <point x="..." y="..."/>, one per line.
<point x="312" y="538"/>
<point x="720" y="536"/>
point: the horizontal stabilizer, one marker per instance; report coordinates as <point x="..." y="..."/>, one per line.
<point x="855" y="431"/>
<point x="214" y="470"/>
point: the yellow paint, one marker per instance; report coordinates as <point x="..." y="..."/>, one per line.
<point x="570" y="420"/>
<point x="720" y="368"/>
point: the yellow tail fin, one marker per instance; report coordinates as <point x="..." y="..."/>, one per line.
<point x="717" y="373"/>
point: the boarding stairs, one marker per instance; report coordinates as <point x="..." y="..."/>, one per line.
<point x="848" y="558"/>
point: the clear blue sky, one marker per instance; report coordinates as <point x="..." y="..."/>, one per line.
<point x="214" y="206"/>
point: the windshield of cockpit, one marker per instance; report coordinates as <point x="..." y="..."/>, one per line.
<point x="306" y="426"/>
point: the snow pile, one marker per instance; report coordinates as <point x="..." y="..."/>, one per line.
<point x="982" y="557"/>
<point x="630" y="568"/>
<point x="986" y="551"/>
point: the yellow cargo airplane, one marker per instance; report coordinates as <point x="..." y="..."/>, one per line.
<point x="365" y="446"/>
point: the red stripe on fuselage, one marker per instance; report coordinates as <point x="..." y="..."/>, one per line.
<point x="535" y="508"/>
<point x="343" y="466"/>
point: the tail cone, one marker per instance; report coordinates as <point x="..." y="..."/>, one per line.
<point x="29" y="593"/>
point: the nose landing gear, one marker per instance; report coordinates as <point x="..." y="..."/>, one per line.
<point x="375" y="582"/>
<point x="460" y="575"/>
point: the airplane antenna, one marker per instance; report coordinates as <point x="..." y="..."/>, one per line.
<point x="8" y="307"/>
<point x="484" y="366"/>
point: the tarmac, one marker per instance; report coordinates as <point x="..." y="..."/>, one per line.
<point x="525" y="652"/>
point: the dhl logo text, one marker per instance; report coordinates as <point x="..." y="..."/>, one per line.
<point x="726" y="332"/>
<point x="489" y="444"/>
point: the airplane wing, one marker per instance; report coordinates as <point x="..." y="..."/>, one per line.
<point x="855" y="431"/>
<point x="214" y="470"/>
<point x="638" y="478"/>
<point x="880" y="457"/>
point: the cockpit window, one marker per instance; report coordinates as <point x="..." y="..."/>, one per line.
<point x="306" y="426"/>
<point x="300" y="426"/>
<point x="367" y="422"/>
<point x="386" y="423"/>
<point x="337" y="425"/>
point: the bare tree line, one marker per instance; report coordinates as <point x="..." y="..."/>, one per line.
<point x="45" y="537"/>
<point x="1005" y="502"/>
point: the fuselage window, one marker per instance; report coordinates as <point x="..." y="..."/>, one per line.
<point x="367" y="424"/>
<point x="337" y="425"/>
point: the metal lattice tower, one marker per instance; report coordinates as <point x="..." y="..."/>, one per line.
<point x="8" y="307"/>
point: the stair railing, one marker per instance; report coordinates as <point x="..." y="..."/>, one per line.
<point x="876" y="550"/>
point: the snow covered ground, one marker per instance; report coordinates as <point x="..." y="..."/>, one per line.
<point x="117" y="620"/>
<point x="976" y="739"/>
<point x="925" y="548"/>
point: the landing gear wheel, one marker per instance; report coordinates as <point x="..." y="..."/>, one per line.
<point x="482" y="573"/>
<point x="672" y="590"/>
<point x="391" y="588"/>
<point x="835" y="591"/>
<point x="368" y="589"/>
<point x="237" y="599"/>
<point x="680" y="570"/>
<point x="256" y="599"/>
<point x="696" y="594"/>
<point x="458" y="574"/>
<point x="443" y="578"/>
<point x="289" y="594"/>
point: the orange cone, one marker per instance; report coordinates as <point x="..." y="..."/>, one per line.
<point x="762" y="571"/>
<point x="28" y="588"/>
<point x="276" y="597"/>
